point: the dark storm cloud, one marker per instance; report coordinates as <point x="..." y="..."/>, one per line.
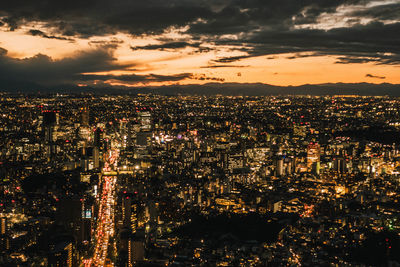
<point x="167" y="46"/>
<point x="254" y="27"/>
<point x="230" y="59"/>
<point x="100" y="17"/>
<point x="382" y="12"/>
<point x="271" y="29"/>
<point x="374" y="42"/>
<point x="43" y="70"/>
<point x="243" y="16"/>
<point x="223" y="66"/>
<point x="134" y="78"/>
<point x="375" y="76"/>
<point x="110" y="43"/>
<point x="44" y="35"/>
<point x="203" y="77"/>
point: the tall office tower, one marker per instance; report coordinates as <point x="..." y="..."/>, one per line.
<point x="134" y="216"/>
<point x="3" y="225"/>
<point x="313" y="157"/>
<point x="85" y="116"/>
<point x="290" y="164"/>
<point x="339" y="165"/>
<point x="133" y="128"/>
<point x="279" y="166"/>
<point x="143" y="137"/>
<point x="129" y="213"/>
<point x="129" y="134"/>
<point x="61" y="254"/>
<point x="136" y="249"/>
<point x="84" y="236"/>
<point x="152" y="210"/>
<point x="4" y="238"/>
<point x="49" y="124"/>
<point x="84" y="131"/>
<point x="123" y="131"/>
<point x="98" y="136"/>
<point x="96" y="157"/>
<point x="145" y="121"/>
<point x="126" y="211"/>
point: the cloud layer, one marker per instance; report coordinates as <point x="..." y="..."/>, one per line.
<point x="80" y="68"/>
<point x="366" y="30"/>
<point x="353" y="31"/>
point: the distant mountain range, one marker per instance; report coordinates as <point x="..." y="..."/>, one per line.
<point x="266" y="89"/>
<point x="250" y="89"/>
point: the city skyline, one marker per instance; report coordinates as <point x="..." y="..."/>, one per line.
<point x="118" y="44"/>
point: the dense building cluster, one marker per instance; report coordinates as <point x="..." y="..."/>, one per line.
<point x="149" y="180"/>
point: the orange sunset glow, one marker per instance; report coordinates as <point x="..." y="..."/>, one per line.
<point x="230" y="43"/>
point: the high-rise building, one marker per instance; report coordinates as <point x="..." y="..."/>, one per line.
<point x="313" y="156"/>
<point x="133" y="128"/>
<point x="136" y="250"/>
<point x="3" y="225"/>
<point x="86" y="221"/>
<point x="50" y="119"/>
<point x="123" y="131"/>
<point x="84" y="131"/>
<point x="279" y="166"/>
<point x="4" y="239"/>
<point x="49" y="122"/>
<point x="85" y="116"/>
<point x="129" y="134"/>
<point x="340" y="165"/>
<point x="98" y="136"/>
<point x="61" y="254"/>
<point x="96" y="157"/>
<point x="129" y="213"/>
<point x="145" y="121"/>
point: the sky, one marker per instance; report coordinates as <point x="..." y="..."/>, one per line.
<point x="128" y="43"/>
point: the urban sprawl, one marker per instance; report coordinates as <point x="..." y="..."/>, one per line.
<point x="150" y="180"/>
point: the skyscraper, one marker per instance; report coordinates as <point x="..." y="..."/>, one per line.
<point x="136" y="249"/>
<point x="129" y="213"/>
<point x="98" y="136"/>
<point x="61" y="254"/>
<point x="85" y="116"/>
<point x="123" y="131"/>
<point x="279" y="166"/>
<point x="84" y="129"/>
<point x="145" y="121"/>
<point x="3" y="225"/>
<point x="313" y="157"/>
<point x="96" y="157"/>
<point x="4" y="239"/>
<point x="49" y="123"/>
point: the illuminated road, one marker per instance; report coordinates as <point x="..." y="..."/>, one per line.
<point x="105" y="222"/>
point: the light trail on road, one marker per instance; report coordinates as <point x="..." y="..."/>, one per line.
<point x="105" y="222"/>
